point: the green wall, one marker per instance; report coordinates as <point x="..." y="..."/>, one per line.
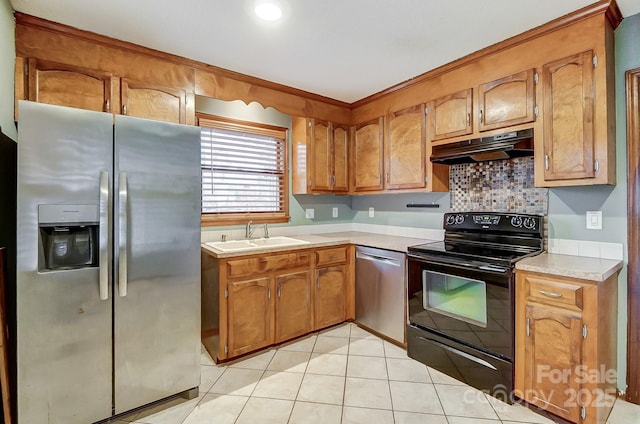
<point x="254" y="112"/>
<point x="7" y="55"/>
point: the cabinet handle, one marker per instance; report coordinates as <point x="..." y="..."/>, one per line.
<point x="468" y="118"/>
<point x="268" y="292"/>
<point x="546" y="162"/>
<point x="528" y="327"/>
<point x="124" y="109"/>
<point x="333" y="257"/>
<point x="107" y="105"/>
<point x="278" y="290"/>
<point x="387" y="177"/>
<point x="596" y="166"/>
<point x="550" y="294"/>
<point x="481" y="117"/>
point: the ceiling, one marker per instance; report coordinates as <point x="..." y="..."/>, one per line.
<point x="341" y="49"/>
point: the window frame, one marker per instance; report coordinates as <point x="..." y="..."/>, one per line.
<point x="209" y="219"/>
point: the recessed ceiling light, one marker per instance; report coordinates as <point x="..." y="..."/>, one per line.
<point x="268" y="11"/>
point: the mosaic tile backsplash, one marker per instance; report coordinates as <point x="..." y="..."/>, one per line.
<point x="497" y="186"/>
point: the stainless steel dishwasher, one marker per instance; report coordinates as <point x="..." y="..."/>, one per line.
<point x="380" y="277"/>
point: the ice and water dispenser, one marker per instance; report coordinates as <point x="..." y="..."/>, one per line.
<point x="68" y="236"/>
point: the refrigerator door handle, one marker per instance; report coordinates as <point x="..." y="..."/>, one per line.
<point x="122" y="236"/>
<point x="104" y="235"/>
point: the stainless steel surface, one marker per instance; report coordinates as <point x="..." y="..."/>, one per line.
<point x="104" y="242"/>
<point x="81" y="358"/>
<point x="63" y="328"/>
<point x="122" y="234"/>
<point x="380" y="291"/>
<point x="65" y="214"/>
<point x="157" y="325"/>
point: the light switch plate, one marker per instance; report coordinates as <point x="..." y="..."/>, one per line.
<point x="371" y="213"/>
<point x="334" y="212"/>
<point x="309" y="213"/>
<point x="594" y="220"/>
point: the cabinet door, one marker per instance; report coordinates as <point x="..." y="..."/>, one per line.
<point x="65" y="85"/>
<point x="321" y="160"/>
<point x="368" y="156"/>
<point x="250" y="315"/>
<point x="553" y="351"/>
<point x="153" y="101"/>
<point x="405" y="149"/>
<point x="568" y="118"/>
<point x="507" y="101"/>
<point x="293" y="305"/>
<point x="329" y="299"/>
<point x="451" y="115"/>
<point x="340" y="158"/>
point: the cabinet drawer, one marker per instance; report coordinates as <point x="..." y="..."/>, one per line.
<point x="331" y="256"/>
<point x="553" y="292"/>
<point x="251" y="266"/>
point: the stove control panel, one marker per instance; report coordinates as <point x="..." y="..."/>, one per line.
<point x="493" y="221"/>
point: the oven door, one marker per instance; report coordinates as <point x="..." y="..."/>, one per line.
<point x="470" y="303"/>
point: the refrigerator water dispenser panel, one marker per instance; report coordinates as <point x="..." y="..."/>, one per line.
<point x="68" y="236"/>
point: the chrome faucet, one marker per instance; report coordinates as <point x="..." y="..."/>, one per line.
<point x="266" y="231"/>
<point x="248" y="231"/>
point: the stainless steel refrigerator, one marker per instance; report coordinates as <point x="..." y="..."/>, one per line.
<point x="108" y="263"/>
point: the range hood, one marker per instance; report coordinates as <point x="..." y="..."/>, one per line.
<point x="513" y="144"/>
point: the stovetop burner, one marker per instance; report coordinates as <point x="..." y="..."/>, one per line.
<point x="491" y="237"/>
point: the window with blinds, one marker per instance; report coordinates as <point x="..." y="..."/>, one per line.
<point x="244" y="172"/>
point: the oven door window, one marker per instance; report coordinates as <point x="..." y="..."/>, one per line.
<point x="457" y="297"/>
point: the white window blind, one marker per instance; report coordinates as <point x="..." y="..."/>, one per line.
<point x="243" y="169"/>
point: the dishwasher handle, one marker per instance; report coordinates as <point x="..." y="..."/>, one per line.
<point x="376" y="258"/>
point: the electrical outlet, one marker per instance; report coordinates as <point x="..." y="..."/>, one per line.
<point x="371" y="213"/>
<point x="594" y="220"/>
<point x="334" y="212"/>
<point x="309" y="213"/>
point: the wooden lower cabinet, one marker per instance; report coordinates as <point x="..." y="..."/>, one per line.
<point x="254" y="301"/>
<point x="330" y="291"/>
<point x="566" y="341"/>
<point x="293" y="305"/>
<point x="250" y="312"/>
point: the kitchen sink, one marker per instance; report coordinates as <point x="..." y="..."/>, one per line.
<point x="253" y="244"/>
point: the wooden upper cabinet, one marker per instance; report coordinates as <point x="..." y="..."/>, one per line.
<point x="293" y="305"/>
<point x="321" y="161"/>
<point x="405" y="149"/>
<point x="153" y="101"/>
<point x="507" y="101"/>
<point x="320" y="152"/>
<point x="340" y="135"/>
<point x="568" y="113"/>
<point x="450" y="116"/>
<point x="367" y="156"/>
<point x="65" y="85"/>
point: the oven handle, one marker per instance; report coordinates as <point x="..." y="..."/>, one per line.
<point x="465" y="266"/>
<point x="458" y="352"/>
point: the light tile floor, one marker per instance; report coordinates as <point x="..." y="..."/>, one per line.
<point x="341" y="375"/>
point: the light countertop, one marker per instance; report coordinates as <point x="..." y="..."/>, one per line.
<point x="381" y="241"/>
<point x="585" y="268"/>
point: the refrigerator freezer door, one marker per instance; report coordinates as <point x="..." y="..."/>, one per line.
<point x="64" y="329"/>
<point x="157" y="309"/>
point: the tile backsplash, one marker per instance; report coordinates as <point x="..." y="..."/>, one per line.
<point x="497" y="186"/>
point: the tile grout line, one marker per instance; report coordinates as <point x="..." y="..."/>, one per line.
<point x="386" y="367"/>
<point x="303" y="376"/>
